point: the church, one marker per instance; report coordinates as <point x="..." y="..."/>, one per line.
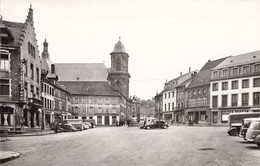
<point x="97" y="92"/>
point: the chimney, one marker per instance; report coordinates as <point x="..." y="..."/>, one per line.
<point x="52" y="69"/>
<point x="189" y="69"/>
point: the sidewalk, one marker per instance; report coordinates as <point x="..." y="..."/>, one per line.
<point x="31" y="133"/>
<point x="8" y="155"/>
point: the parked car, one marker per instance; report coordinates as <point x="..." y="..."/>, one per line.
<point x="156" y="124"/>
<point x="85" y="126"/>
<point x="253" y="132"/>
<point x="145" y="121"/>
<point x="89" y="124"/>
<point x="68" y="127"/>
<point x="245" y="125"/>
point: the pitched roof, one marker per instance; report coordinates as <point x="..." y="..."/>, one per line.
<point x="16" y="29"/>
<point x="204" y="75"/>
<point x="237" y="60"/>
<point x="179" y="80"/>
<point x="91" y="88"/>
<point x="81" y="71"/>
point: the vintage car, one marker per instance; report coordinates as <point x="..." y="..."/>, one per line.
<point x="253" y="132"/>
<point x="156" y="124"/>
<point x="68" y="127"/>
<point x="245" y="125"/>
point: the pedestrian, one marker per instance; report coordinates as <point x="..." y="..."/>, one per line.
<point x="56" y="126"/>
<point x="22" y="124"/>
<point x="116" y="123"/>
<point x="128" y="122"/>
<point x="144" y="123"/>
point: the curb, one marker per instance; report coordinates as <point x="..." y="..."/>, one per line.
<point x="8" y="155"/>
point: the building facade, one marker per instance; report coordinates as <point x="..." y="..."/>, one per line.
<point x="56" y="99"/>
<point x="170" y="112"/>
<point x="20" y="72"/>
<point x="94" y="100"/>
<point x="235" y="86"/>
<point x="158" y="105"/>
<point x="197" y="94"/>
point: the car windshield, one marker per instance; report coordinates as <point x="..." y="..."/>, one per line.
<point x="255" y="126"/>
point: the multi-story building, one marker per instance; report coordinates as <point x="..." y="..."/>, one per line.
<point x="158" y="105"/>
<point x="20" y="72"/>
<point x="235" y="86"/>
<point x="170" y="96"/>
<point x="55" y="98"/>
<point x="197" y="94"/>
<point x="94" y="100"/>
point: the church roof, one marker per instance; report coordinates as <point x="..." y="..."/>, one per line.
<point x="119" y="47"/>
<point x="81" y="71"/>
<point x="90" y="88"/>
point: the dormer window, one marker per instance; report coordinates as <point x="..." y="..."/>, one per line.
<point x="4" y="61"/>
<point x="246" y="70"/>
<point x="4" y="38"/>
<point x="225" y="73"/>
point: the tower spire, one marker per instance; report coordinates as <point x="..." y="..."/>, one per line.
<point x="30" y="15"/>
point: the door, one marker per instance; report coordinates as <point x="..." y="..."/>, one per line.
<point x="196" y="117"/>
<point x="106" y="120"/>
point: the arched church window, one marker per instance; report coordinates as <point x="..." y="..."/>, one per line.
<point x="118" y="64"/>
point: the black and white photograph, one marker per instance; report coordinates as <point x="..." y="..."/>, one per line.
<point x="130" y="82"/>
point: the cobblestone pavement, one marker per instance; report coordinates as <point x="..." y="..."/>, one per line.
<point x="110" y="146"/>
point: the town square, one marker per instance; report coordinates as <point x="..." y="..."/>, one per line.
<point x="127" y="83"/>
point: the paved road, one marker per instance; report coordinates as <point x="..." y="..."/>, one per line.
<point x="116" y="146"/>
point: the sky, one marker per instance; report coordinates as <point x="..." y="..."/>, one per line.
<point x="162" y="37"/>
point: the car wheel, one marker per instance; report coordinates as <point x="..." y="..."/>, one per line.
<point x="258" y="144"/>
<point x="165" y="127"/>
<point x="148" y="127"/>
<point x="140" y="127"/>
<point x="233" y="133"/>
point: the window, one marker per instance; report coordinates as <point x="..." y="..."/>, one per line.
<point x="4" y="87"/>
<point x="245" y="83"/>
<point x="84" y="100"/>
<point x="235" y="71"/>
<point x="76" y="100"/>
<point x="172" y="105"/>
<point x="234" y="84"/>
<point x="169" y="94"/>
<point x="90" y="100"/>
<point x="225" y="73"/>
<point x="246" y="70"/>
<point x="256" y="82"/>
<point x="194" y="93"/>
<point x="37" y="75"/>
<point x="165" y="95"/>
<point x="215" y="74"/>
<point x="203" y="116"/>
<point x="199" y="91"/>
<point x="32" y="91"/>
<point x="256" y="97"/>
<point x="245" y="99"/>
<point x="4" y="62"/>
<point x="215" y="101"/>
<point x="204" y="101"/>
<point x="99" y="120"/>
<point x="91" y="110"/>
<point x="204" y="91"/>
<point x="257" y="68"/>
<point x="234" y="99"/>
<point x="169" y="106"/>
<point x="99" y="101"/>
<point x="224" y="85"/>
<point x="215" y="87"/>
<point x="165" y="109"/>
<point x="118" y="64"/>
<point x="172" y="93"/>
<point x="100" y="110"/>
<point x="32" y="73"/>
<point x="224" y="100"/>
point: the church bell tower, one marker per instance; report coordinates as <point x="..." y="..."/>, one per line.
<point x="118" y="75"/>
